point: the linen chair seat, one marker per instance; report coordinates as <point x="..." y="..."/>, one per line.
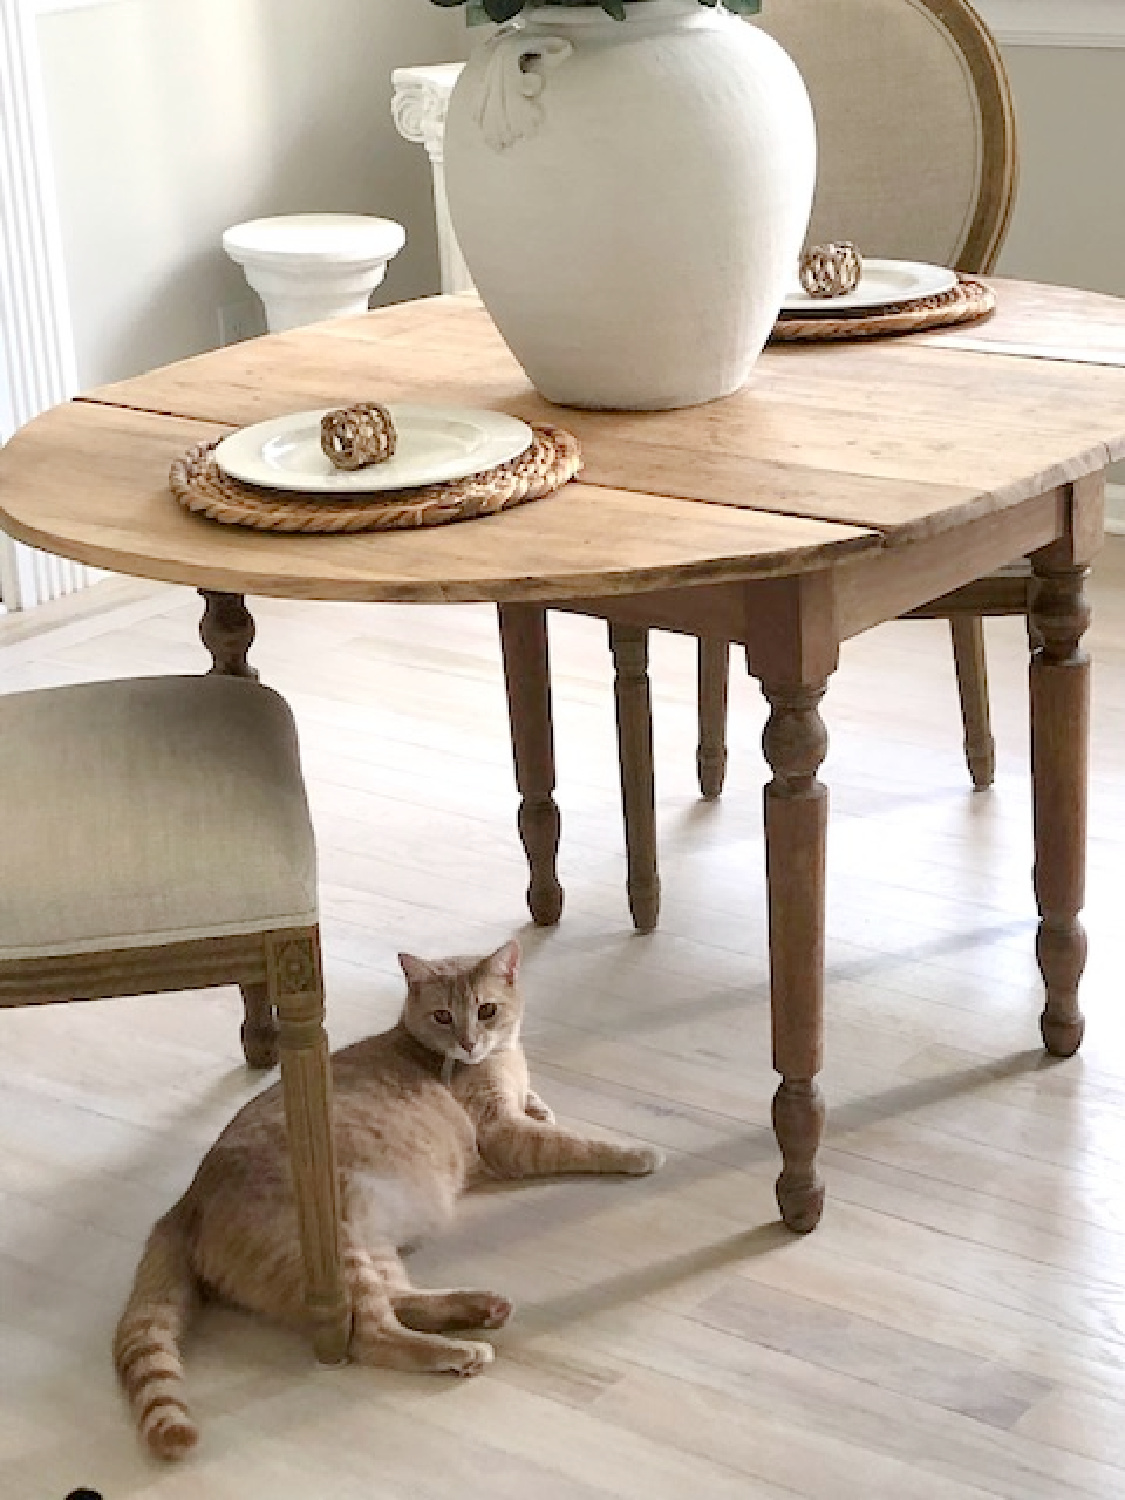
<point x="184" y="796"/>
<point x="157" y="837"/>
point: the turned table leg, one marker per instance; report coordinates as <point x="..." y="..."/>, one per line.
<point x="227" y="630"/>
<point x="796" y="820"/>
<point x="1060" y="714"/>
<point x="633" y="703"/>
<point x="523" y="642"/>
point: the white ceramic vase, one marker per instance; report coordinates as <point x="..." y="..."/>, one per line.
<point x="631" y="197"/>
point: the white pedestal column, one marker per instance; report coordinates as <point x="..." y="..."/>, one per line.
<point x="418" y="104"/>
<point x="309" y="267"/>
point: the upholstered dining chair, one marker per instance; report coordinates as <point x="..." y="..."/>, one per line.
<point x="157" y="837"/>
<point x="917" y="161"/>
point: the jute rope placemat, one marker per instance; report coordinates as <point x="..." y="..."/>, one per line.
<point x="964" y="303"/>
<point x="553" y="459"/>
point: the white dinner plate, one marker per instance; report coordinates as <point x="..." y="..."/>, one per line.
<point x="434" y="443"/>
<point x="882" y="283"/>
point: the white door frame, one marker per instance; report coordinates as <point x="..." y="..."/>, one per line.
<point x="37" y="363"/>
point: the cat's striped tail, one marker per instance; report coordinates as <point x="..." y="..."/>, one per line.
<point x="146" y="1347"/>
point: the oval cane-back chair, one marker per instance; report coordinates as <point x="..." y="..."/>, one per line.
<point x="917" y="161"/>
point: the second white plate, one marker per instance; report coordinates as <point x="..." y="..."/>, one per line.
<point x="435" y="444"/>
<point x="883" y="282"/>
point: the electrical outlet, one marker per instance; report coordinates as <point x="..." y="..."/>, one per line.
<point x="241" y="320"/>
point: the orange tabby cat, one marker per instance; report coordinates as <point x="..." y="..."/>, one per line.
<point x="419" y="1110"/>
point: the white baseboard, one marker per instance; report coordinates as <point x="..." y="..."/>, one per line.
<point x="1056" y="23"/>
<point x="1115" y="509"/>
<point x="48" y="7"/>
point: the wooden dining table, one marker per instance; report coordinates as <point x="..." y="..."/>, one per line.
<point x="845" y="484"/>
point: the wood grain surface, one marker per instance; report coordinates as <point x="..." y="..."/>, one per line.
<point x="902" y="436"/>
<point x="92" y="481"/>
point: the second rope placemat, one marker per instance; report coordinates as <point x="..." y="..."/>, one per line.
<point x="964" y="303"/>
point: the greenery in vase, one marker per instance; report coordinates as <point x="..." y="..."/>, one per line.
<point x="504" y="10"/>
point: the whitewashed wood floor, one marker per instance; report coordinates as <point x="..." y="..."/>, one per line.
<point x="955" y="1328"/>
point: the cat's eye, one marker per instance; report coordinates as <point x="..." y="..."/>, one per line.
<point x="443" y="1017"/>
<point x="487" y="1011"/>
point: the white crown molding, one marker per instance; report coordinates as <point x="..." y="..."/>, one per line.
<point x="1056" y="23"/>
<point x="1017" y="23"/>
<point x="48" y="7"/>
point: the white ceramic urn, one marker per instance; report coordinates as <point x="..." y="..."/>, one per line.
<point x="631" y="197"/>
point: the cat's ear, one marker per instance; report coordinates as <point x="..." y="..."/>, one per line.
<point x="505" y="962"/>
<point x="417" y="970"/>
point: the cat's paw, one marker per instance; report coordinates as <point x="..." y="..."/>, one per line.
<point x="497" y="1311"/>
<point x="470" y="1358"/>
<point x="479" y="1310"/>
<point x="639" y="1161"/>
<point x="534" y="1107"/>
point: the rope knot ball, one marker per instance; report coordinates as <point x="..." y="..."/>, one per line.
<point x="831" y="270"/>
<point x="354" y="437"/>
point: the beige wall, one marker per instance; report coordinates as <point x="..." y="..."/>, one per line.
<point x="172" y="119"/>
<point x="1069" y="223"/>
